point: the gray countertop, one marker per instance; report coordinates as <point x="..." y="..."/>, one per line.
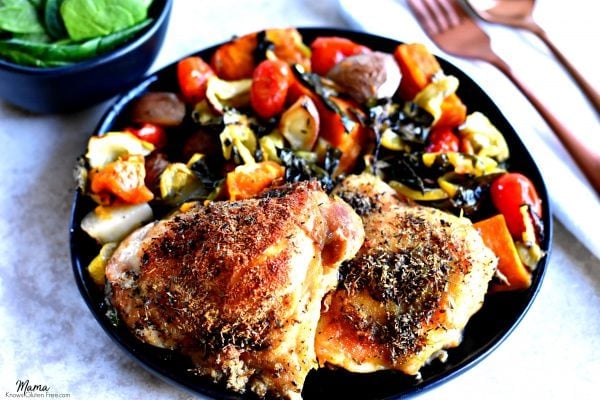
<point x="49" y="337"/>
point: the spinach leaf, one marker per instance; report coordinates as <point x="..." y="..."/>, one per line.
<point x="85" y="19"/>
<point x="33" y="37"/>
<point x="24" y="58"/>
<point x="20" y="16"/>
<point x="39" y="32"/>
<point x="55" y="54"/>
<point x="53" y="19"/>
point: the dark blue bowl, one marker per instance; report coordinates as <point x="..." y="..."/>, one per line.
<point x="77" y="86"/>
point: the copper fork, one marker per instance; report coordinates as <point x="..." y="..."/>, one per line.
<point x="453" y="31"/>
<point x="519" y="14"/>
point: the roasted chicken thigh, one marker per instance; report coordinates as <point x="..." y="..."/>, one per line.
<point x="409" y="292"/>
<point x="238" y="286"/>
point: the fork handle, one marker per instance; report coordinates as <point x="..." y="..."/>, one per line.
<point x="587" y="89"/>
<point x="584" y="156"/>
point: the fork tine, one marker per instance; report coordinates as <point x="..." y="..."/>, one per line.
<point x="428" y="20"/>
<point x="439" y="10"/>
<point x="446" y="23"/>
<point x="451" y="11"/>
<point x="437" y="16"/>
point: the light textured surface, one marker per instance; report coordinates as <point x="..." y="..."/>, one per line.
<point x="48" y="336"/>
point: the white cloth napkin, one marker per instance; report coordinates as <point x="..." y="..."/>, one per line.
<point x="574" y="201"/>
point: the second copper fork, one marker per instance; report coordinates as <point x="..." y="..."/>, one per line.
<point x="453" y="31"/>
<point x="519" y="14"/>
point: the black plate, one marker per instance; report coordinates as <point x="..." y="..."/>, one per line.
<point x="485" y="331"/>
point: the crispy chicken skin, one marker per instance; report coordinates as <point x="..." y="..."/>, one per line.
<point x="238" y="285"/>
<point x="407" y="295"/>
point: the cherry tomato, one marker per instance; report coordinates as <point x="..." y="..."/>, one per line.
<point x="270" y="83"/>
<point x="509" y="192"/>
<point x="152" y="133"/>
<point x="193" y="74"/>
<point x="442" y="141"/>
<point x="328" y="51"/>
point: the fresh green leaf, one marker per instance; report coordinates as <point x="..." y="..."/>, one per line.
<point x="24" y="58"/>
<point x="33" y="37"/>
<point x="117" y="38"/>
<point x="85" y="19"/>
<point x="53" y="19"/>
<point x="20" y="16"/>
<point x="60" y="53"/>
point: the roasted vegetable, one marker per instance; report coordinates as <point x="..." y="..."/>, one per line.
<point x="155" y="163"/>
<point x="432" y="96"/>
<point x="419" y="69"/>
<point x="203" y="141"/>
<point x="433" y="194"/>
<point x="322" y="91"/>
<point x="96" y="268"/>
<point x="246" y="181"/>
<point x="342" y="120"/>
<point x="206" y="115"/>
<point x="151" y="133"/>
<point x="123" y="179"/>
<point x="367" y="76"/>
<point x="206" y="173"/>
<point x="417" y="65"/>
<point x="454" y="112"/>
<point x="483" y="137"/>
<point x="300" y="124"/>
<point x="305" y="166"/>
<point x="192" y="75"/>
<point x="528" y="243"/>
<point x="409" y="124"/>
<point x="112" y="223"/>
<point x="392" y="141"/>
<point x="238" y="141"/>
<point x="237" y="59"/>
<point x="179" y="184"/>
<point x="462" y="163"/>
<point x="268" y="92"/>
<point x="496" y="236"/>
<point x="224" y="95"/>
<point x="344" y="131"/>
<point x="286" y="44"/>
<point x="511" y="191"/>
<point x="269" y="145"/>
<point x="112" y="145"/>
<point x="455" y="182"/>
<point x="328" y="51"/>
<point x="234" y="60"/>
<point x="442" y="140"/>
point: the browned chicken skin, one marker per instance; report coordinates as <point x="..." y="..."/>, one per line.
<point x="407" y="295"/>
<point x="238" y="285"/>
